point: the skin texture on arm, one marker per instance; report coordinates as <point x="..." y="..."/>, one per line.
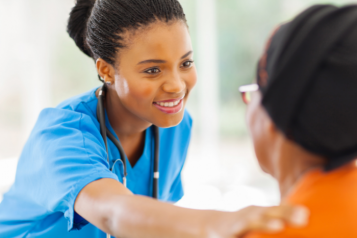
<point x="111" y="207"/>
<point x="114" y="209"/>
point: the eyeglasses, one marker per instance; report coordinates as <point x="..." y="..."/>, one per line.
<point x="246" y="91"/>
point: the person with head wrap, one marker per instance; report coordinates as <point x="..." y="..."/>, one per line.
<point x="302" y="115"/>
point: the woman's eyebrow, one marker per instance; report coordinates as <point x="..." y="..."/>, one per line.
<point x="157" y="61"/>
<point x="187" y="54"/>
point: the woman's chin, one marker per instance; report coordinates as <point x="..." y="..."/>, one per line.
<point x="167" y="121"/>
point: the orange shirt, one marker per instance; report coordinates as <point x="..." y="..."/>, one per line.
<point x="332" y="200"/>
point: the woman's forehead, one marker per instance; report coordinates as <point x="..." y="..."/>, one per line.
<point x="159" y="39"/>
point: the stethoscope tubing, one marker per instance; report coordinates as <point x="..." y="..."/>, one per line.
<point x="106" y="133"/>
<point x="156" y="163"/>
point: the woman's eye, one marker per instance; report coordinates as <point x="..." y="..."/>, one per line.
<point x="153" y="71"/>
<point x="187" y="64"/>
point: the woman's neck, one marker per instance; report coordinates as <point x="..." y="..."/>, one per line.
<point x="129" y="128"/>
<point x="291" y="162"/>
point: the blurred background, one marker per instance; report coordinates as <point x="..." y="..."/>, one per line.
<point x="40" y="66"/>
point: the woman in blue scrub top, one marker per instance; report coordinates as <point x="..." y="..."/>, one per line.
<point x="64" y="188"/>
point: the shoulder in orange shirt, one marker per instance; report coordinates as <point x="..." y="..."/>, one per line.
<point x="332" y="200"/>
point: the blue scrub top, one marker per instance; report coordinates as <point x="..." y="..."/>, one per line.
<point x="64" y="153"/>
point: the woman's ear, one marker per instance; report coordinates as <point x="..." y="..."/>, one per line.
<point x="105" y="71"/>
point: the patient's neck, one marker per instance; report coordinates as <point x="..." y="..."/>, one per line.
<point x="290" y="163"/>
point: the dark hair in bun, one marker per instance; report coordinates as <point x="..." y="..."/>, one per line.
<point x="77" y="23"/>
<point x="96" y="25"/>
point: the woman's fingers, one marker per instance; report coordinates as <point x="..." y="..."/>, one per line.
<point x="266" y="225"/>
<point x="294" y="215"/>
<point x="272" y="219"/>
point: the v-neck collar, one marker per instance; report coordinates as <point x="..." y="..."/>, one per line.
<point x="145" y="156"/>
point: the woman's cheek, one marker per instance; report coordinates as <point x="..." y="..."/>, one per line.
<point x="141" y="94"/>
<point x="145" y="91"/>
<point x="250" y="119"/>
<point x="122" y="87"/>
<point x="125" y="88"/>
<point x="129" y="89"/>
<point x="192" y="80"/>
<point x="255" y="128"/>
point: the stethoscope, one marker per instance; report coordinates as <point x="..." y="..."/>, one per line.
<point x="105" y="132"/>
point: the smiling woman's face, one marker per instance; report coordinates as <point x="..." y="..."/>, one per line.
<point x="155" y="73"/>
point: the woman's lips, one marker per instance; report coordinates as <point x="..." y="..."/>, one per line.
<point x="171" y="106"/>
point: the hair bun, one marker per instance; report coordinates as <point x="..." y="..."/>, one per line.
<point x="77" y="24"/>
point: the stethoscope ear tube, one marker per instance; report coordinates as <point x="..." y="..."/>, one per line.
<point x="101" y="118"/>
<point x="156" y="164"/>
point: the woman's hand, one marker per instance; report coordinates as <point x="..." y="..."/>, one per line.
<point x="266" y="219"/>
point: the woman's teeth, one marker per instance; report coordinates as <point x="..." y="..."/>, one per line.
<point x="168" y="104"/>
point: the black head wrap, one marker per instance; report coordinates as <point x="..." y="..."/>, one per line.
<point x="308" y="78"/>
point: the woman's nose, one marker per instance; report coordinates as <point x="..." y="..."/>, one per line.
<point x="174" y="84"/>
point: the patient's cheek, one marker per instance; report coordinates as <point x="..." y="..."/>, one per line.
<point x="256" y="119"/>
<point x="252" y="118"/>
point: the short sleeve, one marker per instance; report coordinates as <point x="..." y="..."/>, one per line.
<point x="65" y="152"/>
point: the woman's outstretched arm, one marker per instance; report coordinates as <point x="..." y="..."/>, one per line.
<point x="110" y="206"/>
